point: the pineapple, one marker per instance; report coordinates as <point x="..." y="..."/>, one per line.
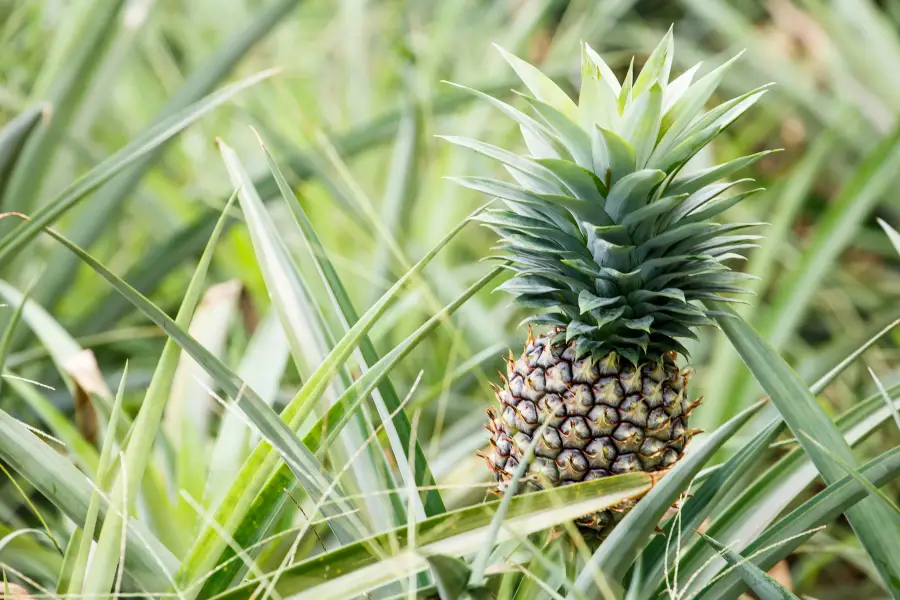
<point x="612" y="239"/>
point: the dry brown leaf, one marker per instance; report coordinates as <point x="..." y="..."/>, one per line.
<point x="85" y="373"/>
<point x="16" y="592"/>
<point x="781" y="573"/>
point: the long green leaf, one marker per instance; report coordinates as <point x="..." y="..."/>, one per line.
<point x="99" y="576"/>
<point x="706" y="499"/>
<point x="780" y="539"/>
<point x="835" y="230"/>
<point x="758" y="580"/>
<point x="870" y="520"/>
<point x="13" y="137"/>
<point x="92" y="220"/>
<point x="423" y="478"/>
<point x="874" y="491"/>
<point x="147" y="560"/>
<point x="12" y="245"/>
<point x="269" y="502"/>
<point x="65" y="94"/>
<point x="89" y="526"/>
<point x="747" y="516"/>
<point x="276" y="433"/>
<point x="189" y="241"/>
<point x="259" y="466"/>
<point x="352" y="570"/>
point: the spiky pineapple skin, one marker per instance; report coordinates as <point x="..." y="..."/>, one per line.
<point x="604" y="417"/>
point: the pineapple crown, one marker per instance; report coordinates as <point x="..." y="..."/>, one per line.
<point x="603" y="231"/>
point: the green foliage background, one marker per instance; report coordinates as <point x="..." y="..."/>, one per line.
<point x="351" y="118"/>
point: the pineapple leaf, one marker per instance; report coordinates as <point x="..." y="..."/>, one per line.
<point x="658" y="66"/>
<point x="354" y="569"/>
<point x="631" y="193"/>
<point x="58" y="480"/>
<point x="13" y="137"/>
<point x="758" y="580"/>
<point x="12" y="244"/>
<point x="602" y="69"/>
<point x="573" y="137"/>
<point x="532" y="168"/>
<point x="588" y="302"/>
<point x="541" y="86"/>
<point x="718" y="207"/>
<point x="701" y="134"/>
<point x="580" y="182"/>
<point x="678" y="86"/>
<point x="640" y="124"/>
<point x="780" y="539"/>
<point x="614" y="157"/>
<point x="870" y="520"/>
<point x="626" y="96"/>
<point x="451" y="575"/>
<point x="692" y="182"/>
<point x="686" y="109"/>
<point x="597" y="100"/>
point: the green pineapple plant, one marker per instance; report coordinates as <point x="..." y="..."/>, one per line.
<point x="616" y="244"/>
<point x="233" y="532"/>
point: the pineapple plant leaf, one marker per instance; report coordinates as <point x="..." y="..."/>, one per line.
<point x="872" y="522"/>
<point x="89" y="223"/>
<point x="789" y="532"/>
<point x="746" y="517"/>
<point x="354" y="569"/>
<point x="763" y="584"/>
<point x="13" y="243"/>
<point x="611" y="237"/>
<point x="13" y="137"/>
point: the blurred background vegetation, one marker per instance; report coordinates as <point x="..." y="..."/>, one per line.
<point x="353" y="117"/>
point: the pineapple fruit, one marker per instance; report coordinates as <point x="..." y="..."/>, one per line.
<point x="614" y="241"/>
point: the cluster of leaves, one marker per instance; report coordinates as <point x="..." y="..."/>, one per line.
<point x="607" y="233"/>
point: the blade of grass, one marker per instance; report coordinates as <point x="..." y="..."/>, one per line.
<point x="747" y="516"/>
<point x="13" y="137"/>
<point x="276" y="432"/>
<point x="8" y="333"/>
<point x="64" y="94"/>
<point x="781" y="538"/>
<point x="261" y="368"/>
<point x="260" y="466"/>
<point x="887" y="399"/>
<point x="91" y="222"/>
<point x="147" y="560"/>
<point x="400" y="430"/>
<point x="787" y="199"/>
<point x="756" y="579"/>
<point x="834" y="232"/>
<point x="874" y="491"/>
<point x="706" y="499"/>
<point x="189" y="410"/>
<point x="307" y="329"/>
<point x="89" y="525"/>
<point x="12" y="245"/>
<point x="268" y="503"/>
<point x="188" y="242"/>
<point x="802" y="413"/>
<point x="99" y="576"/>
<point x="351" y="570"/>
<point x="25" y="554"/>
<point x="59" y="425"/>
